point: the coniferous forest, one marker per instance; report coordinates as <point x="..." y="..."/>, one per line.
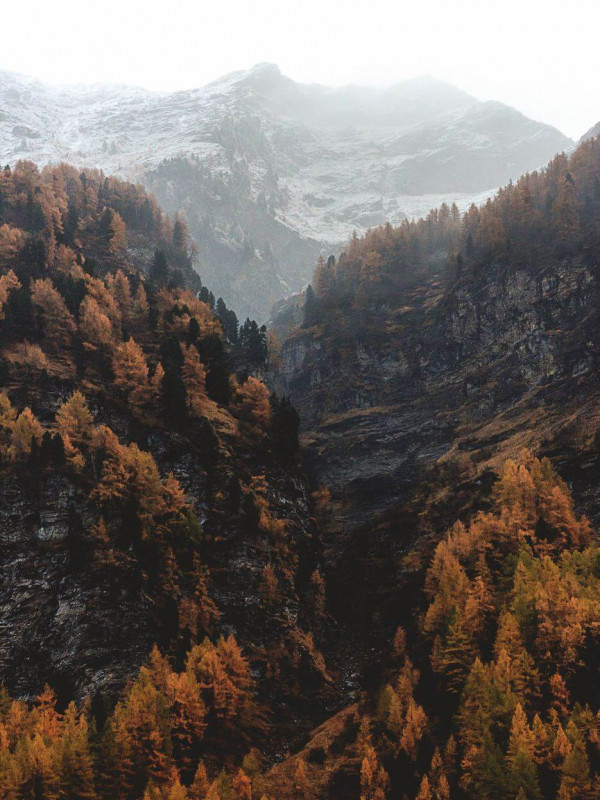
<point x="193" y="607"/>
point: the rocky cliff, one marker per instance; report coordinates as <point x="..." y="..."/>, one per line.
<point x="432" y="379"/>
<point x="440" y="372"/>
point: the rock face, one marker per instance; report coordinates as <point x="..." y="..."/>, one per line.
<point x="84" y="626"/>
<point x="59" y="619"/>
<point x="409" y="410"/>
<point x="269" y="172"/>
<point x="477" y="371"/>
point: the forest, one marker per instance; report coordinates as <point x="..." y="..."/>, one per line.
<point x="116" y="376"/>
<point x="129" y="389"/>
<point x="543" y="217"/>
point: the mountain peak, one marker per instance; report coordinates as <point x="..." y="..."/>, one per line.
<point x="426" y="81"/>
<point x="263" y="74"/>
<point x="322" y="161"/>
<point x="265" y="68"/>
<point x="429" y="88"/>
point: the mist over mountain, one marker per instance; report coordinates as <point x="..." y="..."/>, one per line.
<point x="222" y="616"/>
<point x="270" y="172"/>
<point x="353" y="553"/>
<point x="594" y="131"/>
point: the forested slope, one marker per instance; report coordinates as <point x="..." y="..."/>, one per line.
<point x="148" y="497"/>
<point x="431" y="359"/>
<point x="432" y="607"/>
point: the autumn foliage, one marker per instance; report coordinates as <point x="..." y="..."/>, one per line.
<point x="547" y="215"/>
<point x="119" y="406"/>
<point x="512" y="612"/>
<point x="151" y="745"/>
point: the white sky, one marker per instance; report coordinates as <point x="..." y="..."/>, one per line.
<point x="537" y="55"/>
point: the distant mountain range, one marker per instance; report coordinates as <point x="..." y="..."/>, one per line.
<point x="271" y="172"/>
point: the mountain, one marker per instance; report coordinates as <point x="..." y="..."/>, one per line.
<point x="431" y="363"/>
<point x="270" y="172"/>
<point x="184" y="619"/>
<point x="445" y="337"/>
<point x="153" y="511"/>
<point x="594" y="131"/>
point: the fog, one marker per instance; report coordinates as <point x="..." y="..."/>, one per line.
<point x="518" y="52"/>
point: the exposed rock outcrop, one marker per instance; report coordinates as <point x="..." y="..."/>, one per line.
<point x="453" y="379"/>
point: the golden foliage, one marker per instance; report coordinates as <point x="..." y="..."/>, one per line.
<point x="94" y="325"/>
<point x="57" y="320"/>
<point x="131" y="373"/>
<point x="74" y="419"/>
<point x="25" y="430"/>
<point x="198" y="614"/>
<point x="517" y="586"/>
<point x="27" y="356"/>
<point x="8" y="283"/>
<point x="194" y="378"/>
<point x="118" y="286"/>
<point x="118" y="235"/>
<point x="11" y="242"/>
<point x="8" y="414"/>
<point x="253" y="407"/>
<point x="131" y="475"/>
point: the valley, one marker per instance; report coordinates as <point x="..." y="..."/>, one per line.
<point x="351" y="556"/>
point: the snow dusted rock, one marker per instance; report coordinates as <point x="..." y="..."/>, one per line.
<point x="595" y="131"/>
<point x="270" y="172"/>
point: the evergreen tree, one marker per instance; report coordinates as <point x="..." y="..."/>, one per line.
<point x="214" y="357"/>
<point x="310" y="307"/>
<point x="159" y="271"/>
<point x="253" y="342"/>
<point x="173" y="392"/>
<point x="285" y="427"/>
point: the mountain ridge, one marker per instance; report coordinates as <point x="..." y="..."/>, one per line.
<point x="395" y="360"/>
<point x="432" y="606"/>
<point x="271" y="172"/>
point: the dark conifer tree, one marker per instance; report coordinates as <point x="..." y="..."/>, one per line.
<point x="159" y="271"/>
<point x="285" y="426"/>
<point x="213" y="356"/>
<point x="173" y="392"/>
<point x="310" y="307"/>
<point x="253" y="342"/>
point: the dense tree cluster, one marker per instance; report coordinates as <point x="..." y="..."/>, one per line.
<point x="115" y="372"/>
<point x="506" y="704"/>
<point x="550" y="214"/>
<point x="154" y="744"/>
<point x="72" y="303"/>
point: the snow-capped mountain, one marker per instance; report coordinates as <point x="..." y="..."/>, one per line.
<point x="271" y="172"/>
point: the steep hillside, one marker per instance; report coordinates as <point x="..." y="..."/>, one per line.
<point x="450" y="334"/>
<point x="269" y="171"/>
<point x="591" y="133"/>
<point x="488" y="689"/>
<point x="423" y="625"/>
<point x="147" y="497"/>
<point x="432" y="358"/>
<point x="432" y="352"/>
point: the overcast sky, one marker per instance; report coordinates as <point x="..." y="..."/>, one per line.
<point x="541" y="57"/>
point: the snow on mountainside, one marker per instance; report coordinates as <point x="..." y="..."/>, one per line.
<point x="270" y="172"/>
<point x="595" y="131"/>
